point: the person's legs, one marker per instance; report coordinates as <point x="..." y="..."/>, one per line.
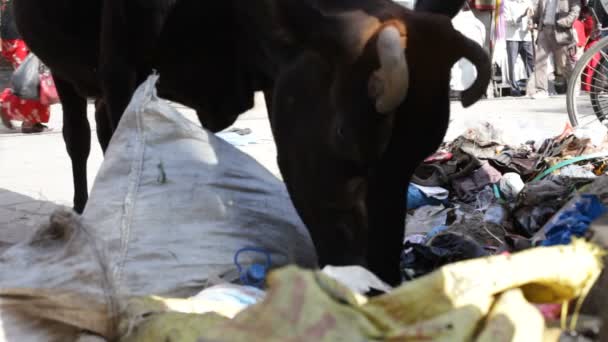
<point x="512" y="52"/>
<point x="35" y="114"/>
<point x="565" y="60"/>
<point x="527" y="55"/>
<point x="543" y="50"/>
<point x="512" y="49"/>
<point x="571" y="57"/>
<point x="4" y="114"/>
<point x="32" y="113"/>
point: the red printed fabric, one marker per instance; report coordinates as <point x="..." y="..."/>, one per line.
<point x="589" y="73"/>
<point x="483" y="5"/>
<point x="19" y="109"/>
<point x="579" y="28"/>
<point x="14" y="51"/>
<point x="16" y="108"/>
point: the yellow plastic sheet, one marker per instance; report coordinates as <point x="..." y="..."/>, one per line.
<point x="476" y="300"/>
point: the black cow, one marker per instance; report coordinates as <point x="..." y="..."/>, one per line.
<point x="348" y="155"/>
<point x="342" y="57"/>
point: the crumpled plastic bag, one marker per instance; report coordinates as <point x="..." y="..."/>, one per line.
<point x="425" y="218"/>
<point x="511" y="185"/>
<point x="464" y="301"/>
<point x="540" y="200"/>
<point x="445" y="248"/>
<point x="573" y="220"/>
<point x="597" y="134"/>
<point x="25" y="81"/>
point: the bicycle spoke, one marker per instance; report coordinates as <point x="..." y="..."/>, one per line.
<point x="589" y="103"/>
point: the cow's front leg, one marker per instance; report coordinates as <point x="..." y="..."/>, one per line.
<point x="117" y="75"/>
<point x="386" y="211"/>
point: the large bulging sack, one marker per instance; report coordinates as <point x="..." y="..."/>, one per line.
<point x="175" y="203"/>
<point x="169" y="210"/>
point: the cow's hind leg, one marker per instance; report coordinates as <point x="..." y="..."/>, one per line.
<point x="77" y="137"/>
<point x="104" y="126"/>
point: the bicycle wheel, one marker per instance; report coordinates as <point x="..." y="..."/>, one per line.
<point x="587" y="98"/>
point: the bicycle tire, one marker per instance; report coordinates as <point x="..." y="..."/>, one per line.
<point x="579" y="68"/>
<point x="599" y="82"/>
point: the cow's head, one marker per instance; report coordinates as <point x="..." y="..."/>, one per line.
<point x="372" y="59"/>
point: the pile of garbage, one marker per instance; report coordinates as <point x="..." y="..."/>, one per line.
<point x="479" y="196"/>
<point x="477" y="300"/>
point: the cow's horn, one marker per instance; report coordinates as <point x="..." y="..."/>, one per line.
<point x="389" y="84"/>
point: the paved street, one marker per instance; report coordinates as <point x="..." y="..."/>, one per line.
<point x="35" y="169"/>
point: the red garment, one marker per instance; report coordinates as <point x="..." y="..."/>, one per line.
<point x="590" y="28"/>
<point x="590" y="69"/>
<point x="30" y="111"/>
<point x="14" y="51"/>
<point x="579" y="27"/>
<point x="589" y="24"/>
<point x="483" y="5"/>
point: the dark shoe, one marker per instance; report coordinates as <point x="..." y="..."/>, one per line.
<point x="35" y="128"/>
<point x="516" y="93"/>
<point x="5" y="119"/>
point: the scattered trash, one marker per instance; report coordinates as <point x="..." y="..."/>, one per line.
<point x="511" y="185"/>
<point x="496" y="214"/>
<point x="435" y="192"/>
<point x="424" y="219"/>
<point x="228" y="299"/>
<point x="505" y="198"/>
<point x="577" y="171"/>
<point x="485" y="199"/>
<point x="529" y="220"/>
<point x="466" y="187"/>
<point x="416" y="238"/>
<point x="440" y="156"/>
<point x="238" y="136"/>
<point x="357" y="279"/>
<point x="418" y="196"/>
<point x="239" y="131"/>
<point x="573" y="220"/>
<point x="442" y="249"/>
<point x="599" y="155"/>
<point x="595" y="133"/>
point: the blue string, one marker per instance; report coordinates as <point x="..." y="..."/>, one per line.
<point x="263" y="269"/>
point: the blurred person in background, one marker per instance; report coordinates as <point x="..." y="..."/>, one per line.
<point x="518" y="16"/>
<point x="31" y="113"/>
<point x="555" y="20"/>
